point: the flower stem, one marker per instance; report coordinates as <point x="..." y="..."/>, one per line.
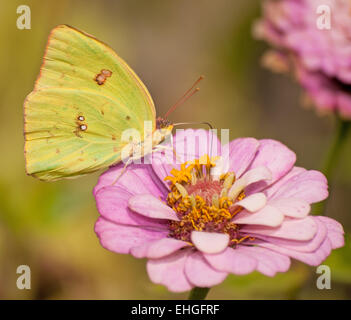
<point x="332" y="159"/>
<point x="198" y="293"/>
<point x="342" y="130"/>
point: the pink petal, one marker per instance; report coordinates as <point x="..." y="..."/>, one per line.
<point x="310" y="186"/>
<point x="149" y="206"/>
<point x="253" y="202"/>
<point x="200" y="273"/>
<point x="272" y="189"/>
<point x="314" y="258"/>
<point x="291" y="207"/>
<point x="294" y="229"/>
<point x="136" y="179"/>
<point x="298" y="245"/>
<point x="188" y="144"/>
<point x="336" y="239"/>
<point x="268" y="216"/>
<point x="241" y="152"/>
<point x="268" y="261"/>
<point x="121" y="238"/>
<point x="254" y="175"/>
<point x="195" y="143"/>
<point x="335" y="231"/>
<point x="160" y="166"/>
<point x="249" y="177"/>
<point x="169" y="271"/>
<point x="209" y="242"/>
<point x="158" y="248"/>
<point x="112" y="204"/>
<point x="275" y="156"/>
<point x="233" y="261"/>
<point x="331" y="224"/>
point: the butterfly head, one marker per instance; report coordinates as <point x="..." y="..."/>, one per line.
<point x="162" y="123"/>
<point x="163" y="129"/>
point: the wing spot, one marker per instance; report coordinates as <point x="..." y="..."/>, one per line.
<point x="83" y="127"/>
<point x="113" y="137"/>
<point x="114" y="149"/>
<point x="81" y="118"/>
<point x="101" y="77"/>
<point x="128" y="118"/>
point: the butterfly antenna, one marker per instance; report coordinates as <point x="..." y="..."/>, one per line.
<point x="188" y="94"/>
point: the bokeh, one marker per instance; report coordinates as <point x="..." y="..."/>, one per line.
<point x="49" y="226"/>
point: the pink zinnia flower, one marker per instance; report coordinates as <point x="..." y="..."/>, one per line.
<point x="319" y="58"/>
<point x="195" y="227"/>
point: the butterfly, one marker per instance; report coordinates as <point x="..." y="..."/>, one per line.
<point x="84" y="98"/>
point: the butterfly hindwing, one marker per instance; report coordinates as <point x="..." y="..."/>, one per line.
<point x="65" y="139"/>
<point x="83" y="100"/>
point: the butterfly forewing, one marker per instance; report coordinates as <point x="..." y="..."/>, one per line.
<point x="83" y="100"/>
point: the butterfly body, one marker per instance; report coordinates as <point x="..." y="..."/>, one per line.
<point x="85" y="97"/>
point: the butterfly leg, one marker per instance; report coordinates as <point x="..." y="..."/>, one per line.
<point x="129" y="161"/>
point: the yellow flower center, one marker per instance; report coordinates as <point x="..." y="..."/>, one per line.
<point x="201" y="202"/>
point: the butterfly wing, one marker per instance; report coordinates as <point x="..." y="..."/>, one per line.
<point x="84" y="98"/>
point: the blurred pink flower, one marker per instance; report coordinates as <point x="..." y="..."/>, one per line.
<point x="195" y="227"/>
<point x="319" y="58"/>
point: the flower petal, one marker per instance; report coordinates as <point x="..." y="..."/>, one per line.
<point x="310" y="186"/>
<point x="314" y="258"/>
<point x="158" y="248"/>
<point x="272" y="189"/>
<point x="112" y="204"/>
<point x="121" y="238"/>
<point x="232" y="261"/>
<point x="275" y="156"/>
<point x="331" y="224"/>
<point x="169" y="271"/>
<point x="136" y="179"/>
<point x="268" y="261"/>
<point x="241" y="153"/>
<point x="335" y="231"/>
<point x="149" y="206"/>
<point x="188" y="145"/>
<point x="290" y="207"/>
<point x="253" y="202"/>
<point x="209" y="242"/>
<point x="294" y="229"/>
<point x="249" y="177"/>
<point x="267" y="216"/>
<point x="298" y="245"/>
<point x="200" y="273"/>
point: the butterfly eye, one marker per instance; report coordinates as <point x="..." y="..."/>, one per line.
<point x="83" y="127"/>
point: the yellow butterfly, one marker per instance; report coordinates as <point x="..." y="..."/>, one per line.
<point x="85" y="97"/>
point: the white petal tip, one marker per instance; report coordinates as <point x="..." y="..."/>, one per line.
<point x="209" y="242"/>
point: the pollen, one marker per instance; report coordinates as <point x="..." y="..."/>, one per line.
<point x="202" y="203"/>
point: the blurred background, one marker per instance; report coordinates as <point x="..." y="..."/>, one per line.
<point x="49" y="226"/>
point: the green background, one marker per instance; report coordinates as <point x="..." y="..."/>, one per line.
<point x="49" y="226"/>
